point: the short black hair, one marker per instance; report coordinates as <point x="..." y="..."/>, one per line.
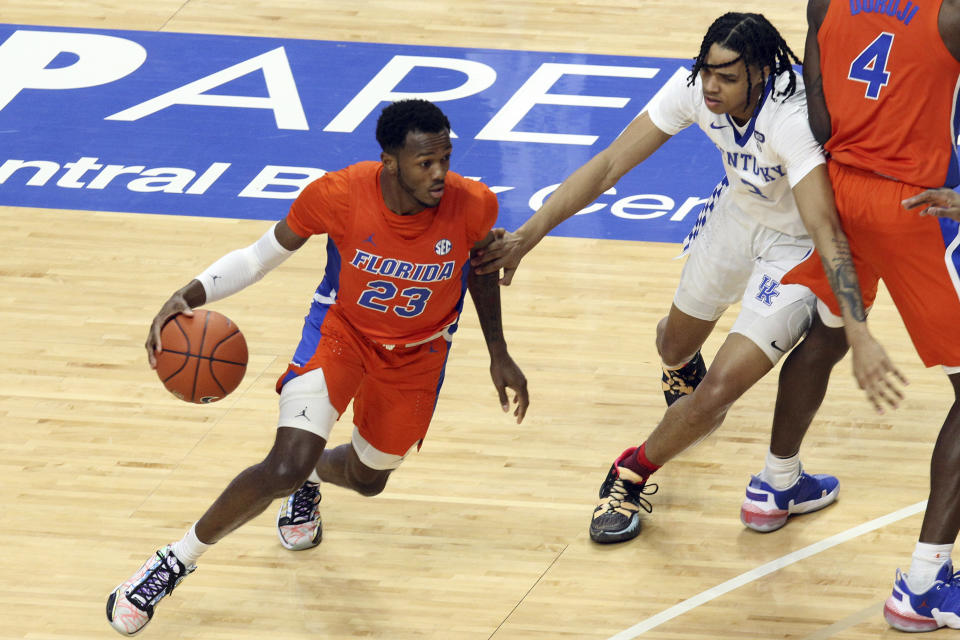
<point x="401" y="117"/>
<point x="756" y="40"/>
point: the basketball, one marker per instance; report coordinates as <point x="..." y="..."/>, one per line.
<point x="204" y="357"/>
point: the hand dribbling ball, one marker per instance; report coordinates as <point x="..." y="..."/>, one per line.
<point x="204" y="356"/>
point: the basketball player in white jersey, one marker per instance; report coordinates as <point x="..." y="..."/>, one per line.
<point x="772" y="207"/>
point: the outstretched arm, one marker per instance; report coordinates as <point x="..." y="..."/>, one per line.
<point x="228" y="275"/>
<point x="944" y="203"/>
<point x="584" y="185"/>
<point x="874" y="371"/>
<point x="503" y="370"/>
<point x="817" y="111"/>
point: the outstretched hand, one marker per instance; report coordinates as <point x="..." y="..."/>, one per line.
<point x="877" y="375"/>
<point x="177" y="304"/>
<point x="504" y="252"/>
<point x="944" y="203"/>
<point x="506" y="374"/>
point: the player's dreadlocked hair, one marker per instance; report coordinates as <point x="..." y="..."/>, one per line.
<point x="401" y="117"/>
<point x="756" y="40"/>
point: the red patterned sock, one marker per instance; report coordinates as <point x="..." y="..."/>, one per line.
<point x="635" y="459"/>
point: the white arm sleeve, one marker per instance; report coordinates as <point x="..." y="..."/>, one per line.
<point x="241" y="268"/>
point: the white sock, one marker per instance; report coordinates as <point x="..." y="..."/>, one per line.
<point x="314" y="476"/>
<point x="926" y="562"/>
<point x="781" y="473"/>
<point x="189" y="549"/>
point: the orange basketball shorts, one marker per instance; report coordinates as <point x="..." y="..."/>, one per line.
<point x="916" y="256"/>
<point x="394" y="391"/>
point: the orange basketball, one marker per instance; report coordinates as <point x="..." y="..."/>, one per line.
<point x="204" y="357"/>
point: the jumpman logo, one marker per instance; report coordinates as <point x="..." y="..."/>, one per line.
<point x="303" y="414"/>
<point x="432" y="350"/>
<point x="370" y="240"/>
<point x="215" y="277"/>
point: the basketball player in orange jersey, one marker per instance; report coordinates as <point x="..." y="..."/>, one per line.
<point x="399" y="234"/>
<point x="882" y="83"/>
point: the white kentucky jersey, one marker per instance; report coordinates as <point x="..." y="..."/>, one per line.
<point x="764" y="159"/>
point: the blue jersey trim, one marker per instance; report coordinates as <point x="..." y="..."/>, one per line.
<point x="443" y="374"/>
<point x="953" y="170"/>
<point x="313" y="322"/>
<point x="331" y="274"/>
<point x="464" y="274"/>
<point x="949" y="229"/>
<point x="742" y="139"/>
<point x="312" y="332"/>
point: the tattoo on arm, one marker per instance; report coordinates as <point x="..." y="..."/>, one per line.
<point x="843" y="280"/>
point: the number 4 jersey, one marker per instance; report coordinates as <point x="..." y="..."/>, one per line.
<point x="868" y="48"/>
<point x="397" y="279"/>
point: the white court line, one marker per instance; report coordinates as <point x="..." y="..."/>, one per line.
<point x="774" y="565"/>
<point x="875" y="610"/>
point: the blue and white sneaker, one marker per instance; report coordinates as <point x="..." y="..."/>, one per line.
<point x="936" y="607"/>
<point x="766" y="509"/>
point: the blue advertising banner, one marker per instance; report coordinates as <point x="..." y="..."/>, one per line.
<point x="226" y="126"/>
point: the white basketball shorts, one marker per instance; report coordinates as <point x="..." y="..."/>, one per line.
<point x="734" y="257"/>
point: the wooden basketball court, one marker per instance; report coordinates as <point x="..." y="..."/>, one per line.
<point x="484" y="533"/>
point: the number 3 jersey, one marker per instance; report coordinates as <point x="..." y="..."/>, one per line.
<point x="893" y="85"/>
<point x="397" y="279"/>
<point x="764" y="158"/>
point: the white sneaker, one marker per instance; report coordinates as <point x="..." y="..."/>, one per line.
<point x="298" y="522"/>
<point x="132" y="604"/>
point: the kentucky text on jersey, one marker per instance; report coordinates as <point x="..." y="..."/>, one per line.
<point x="890" y="7"/>
<point x="401" y="269"/>
<point x="747" y="162"/>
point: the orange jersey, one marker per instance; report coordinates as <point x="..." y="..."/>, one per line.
<point x="891" y="89"/>
<point x="917" y="258"/>
<point x="396" y="279"/>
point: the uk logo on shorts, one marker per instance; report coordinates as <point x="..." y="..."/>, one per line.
<point x="769" y="289"/>
<point x="443" y="247"/>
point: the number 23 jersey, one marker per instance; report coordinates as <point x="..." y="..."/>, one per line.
<point x="397" y="279"/>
